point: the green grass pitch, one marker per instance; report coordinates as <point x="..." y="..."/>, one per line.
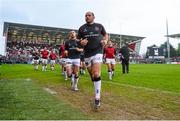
<point x="149" y="91"/>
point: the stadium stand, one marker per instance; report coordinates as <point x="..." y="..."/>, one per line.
<point x="23" y="39"/>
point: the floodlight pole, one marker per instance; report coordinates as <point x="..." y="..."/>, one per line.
<point x="120" y="36"/>
<point x="109" y="31"/>
<point x="6" y="39"/>
<point x="120" y="41"/>
<point x="168" y="46"/>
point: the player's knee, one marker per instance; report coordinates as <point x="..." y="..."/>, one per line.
<point x="64" y="69"/>
<point x="76" y="76"/>
<point x="97" y="79"/>
<point x="70" y="75"/>
<point x="96" y="75"/>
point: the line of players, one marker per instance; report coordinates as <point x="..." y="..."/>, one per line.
<point x="44" y="55"/>
<point x="71" y="59"/>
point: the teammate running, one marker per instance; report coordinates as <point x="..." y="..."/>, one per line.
<point x="109" y="55"/>
<point x="36" y="56"/>
<point x="63" y="59"/>
<point x="44" y="56"/>
<point x="73" y="50"/>
<point x="52" y="57"/>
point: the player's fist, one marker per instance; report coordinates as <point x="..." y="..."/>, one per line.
<point x="84" y="42"/>
<point x="66" y="53"/>
<point x="104" y="42"/>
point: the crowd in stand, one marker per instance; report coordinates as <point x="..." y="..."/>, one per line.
<point x="22" y="51"/>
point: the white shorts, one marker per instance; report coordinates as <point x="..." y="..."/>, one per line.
<point x="62" y="61"/>
<point x="44" y="61"/>
<point x="110" y="61"/>
<point x="52" y="62"/>
<point x="36" y="61"/>
<point x="71" y="62"/>
<point x="98" y="58"/>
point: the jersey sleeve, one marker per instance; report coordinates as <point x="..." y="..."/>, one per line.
<point x="79" y="44"/>
<point x="66" y="46"/>
<point x="80" y="34"/>
<point x="103" y="31"/>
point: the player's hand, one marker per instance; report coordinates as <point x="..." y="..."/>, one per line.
<point x="66" y="53"/>
<point x="79" y="49"/>
<point x="84" y="42"/>
<point x="104" y="42"/>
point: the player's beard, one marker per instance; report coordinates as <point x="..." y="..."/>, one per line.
<point x="89" y="22"/>
<point x="73" y="37"/>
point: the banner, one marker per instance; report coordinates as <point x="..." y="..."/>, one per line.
<point x="135" y="46"/>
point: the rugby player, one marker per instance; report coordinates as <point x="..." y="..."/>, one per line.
<point x="93" y="37"/>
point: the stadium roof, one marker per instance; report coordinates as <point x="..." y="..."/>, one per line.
<point x="175" y="36"/>
<point x="19" y="31"/>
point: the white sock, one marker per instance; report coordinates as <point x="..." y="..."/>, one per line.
<point x="42" y="68"/>
<point x="76" y="82"/>
<point x="72" y="80"/>
<point x="65" y="74"/>
<point x="97" y="87"/>
<point x="52" y="68"/>
<point x="36" y="67"/>
<point x="109" y="73"/>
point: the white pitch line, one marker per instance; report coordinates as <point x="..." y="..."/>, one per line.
<point x="50" y="91"/>
<point x="145" y="88"/>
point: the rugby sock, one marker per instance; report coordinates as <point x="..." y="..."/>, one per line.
<point x="109" y="71"/>
<point x="65" y="75"/>
<point x="112" y="71"/>
<point x="110" y="74"/>
<point x="36" y="67"/>
<point x="42" y="68"/>
<point x="97" y="87"/>
<point x="72" y="80"/>
<point x="45" y="68"/>
<point x="76" y="81"/>
<point x="80" y="70"/>
<point x="64" y="70"/>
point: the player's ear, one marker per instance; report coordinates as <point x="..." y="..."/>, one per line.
<point x="93" y="15"/>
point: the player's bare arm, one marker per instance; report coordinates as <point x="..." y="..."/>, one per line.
<point x="105" y="40"/>
<point x="79" y="49"/>
<point x="84" y="42"/>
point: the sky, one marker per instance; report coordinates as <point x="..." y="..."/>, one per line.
<point x="146" y="18"/>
